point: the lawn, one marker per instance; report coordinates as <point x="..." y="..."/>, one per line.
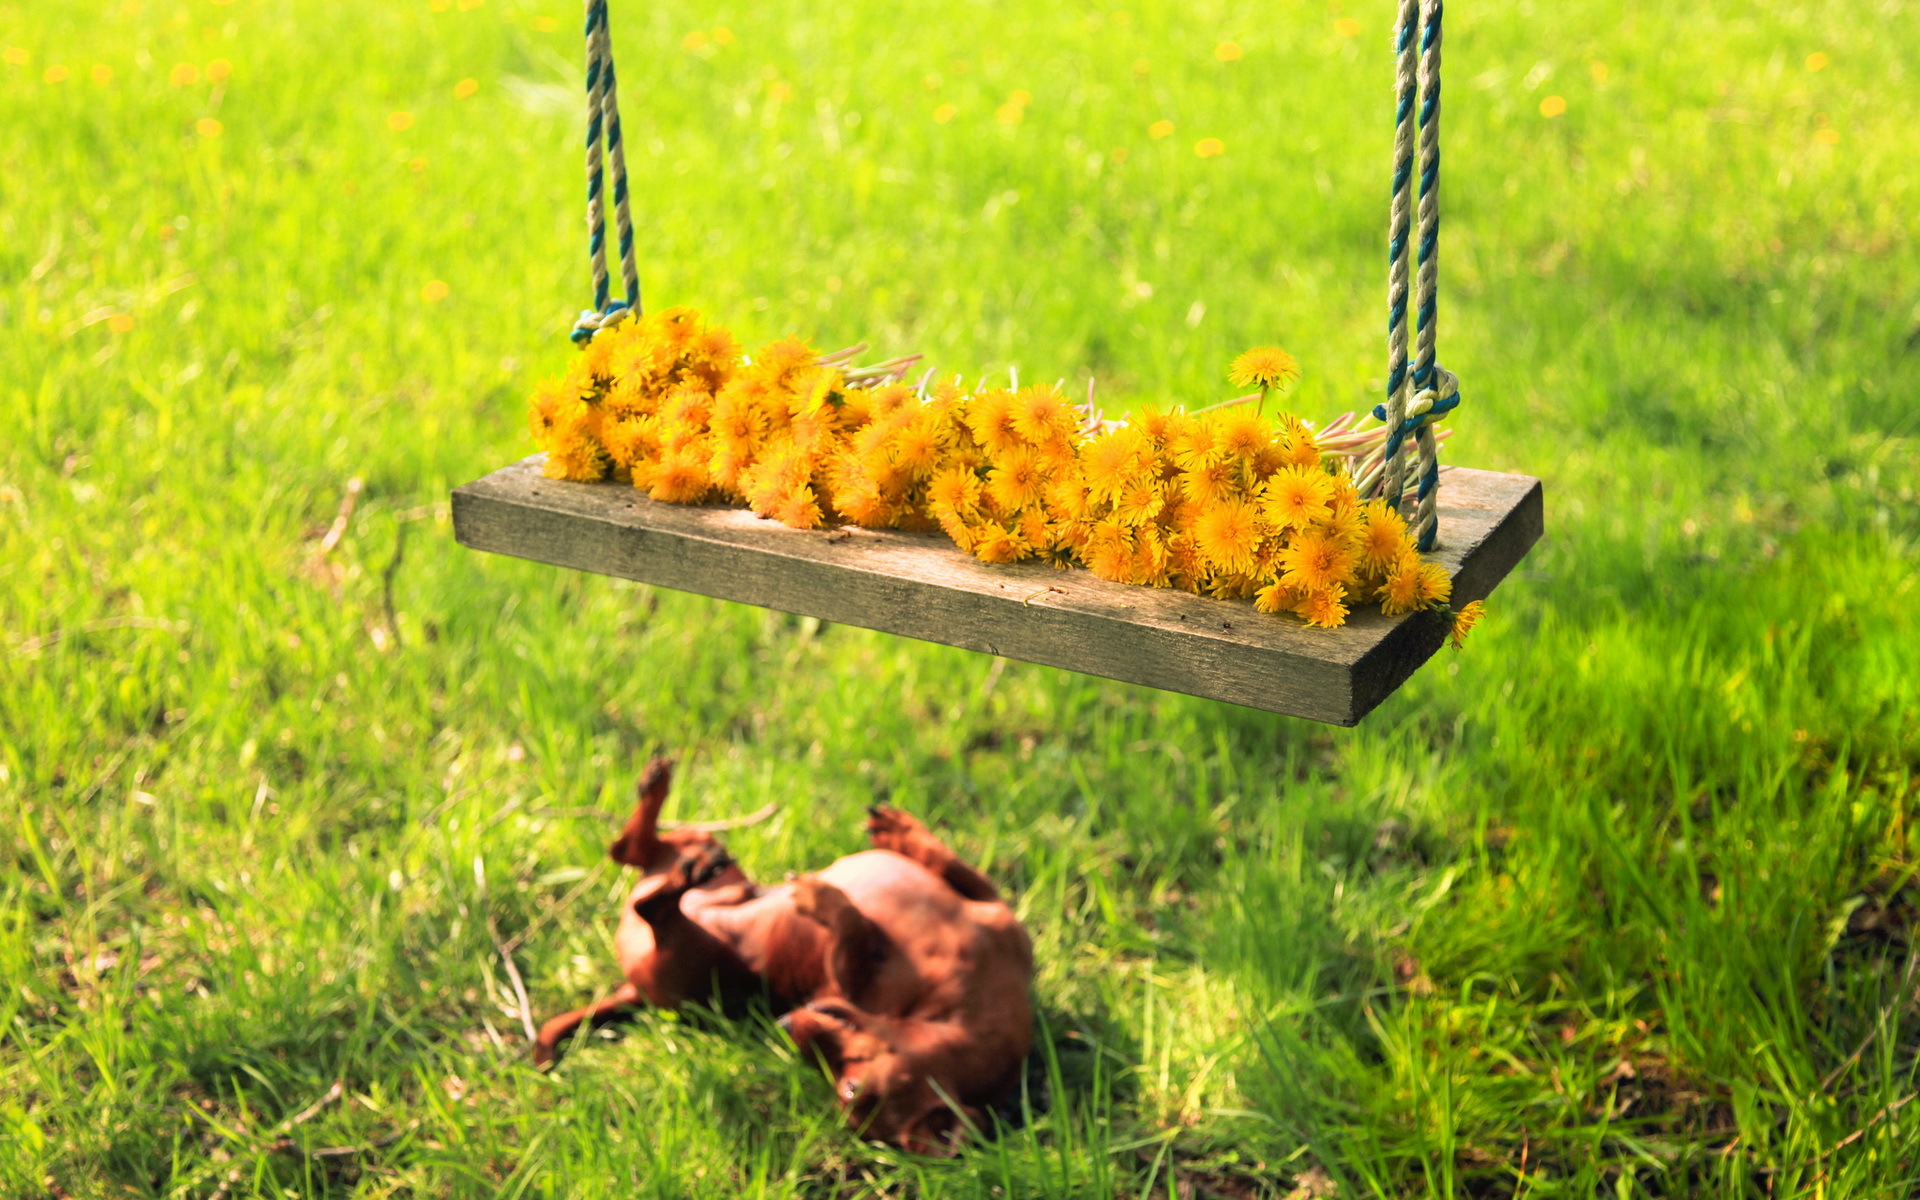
<point x="1615" y="901"/>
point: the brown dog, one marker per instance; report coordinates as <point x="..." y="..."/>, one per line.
<point x="900" y="966"/>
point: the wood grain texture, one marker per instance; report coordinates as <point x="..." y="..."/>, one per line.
<point x="922" y="586"/>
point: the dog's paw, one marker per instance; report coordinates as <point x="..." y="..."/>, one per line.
<point x="891" y="829"/>
<point x="694" y="870"/>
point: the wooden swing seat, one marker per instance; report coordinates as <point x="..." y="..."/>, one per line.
<point x="922" y="586"/>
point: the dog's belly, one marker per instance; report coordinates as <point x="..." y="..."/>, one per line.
<point x="936" y="943"/>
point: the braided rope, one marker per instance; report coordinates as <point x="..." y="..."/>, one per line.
<point x="603" y="125"/>
<point x="1435" y="390"/>
<point x="1399" y="223"/>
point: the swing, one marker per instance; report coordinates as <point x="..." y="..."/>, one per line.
<point x="920" y="585"/>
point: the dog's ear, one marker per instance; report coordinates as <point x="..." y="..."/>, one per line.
<point x="639" y="843"/>
<point x="820" y="1030"/>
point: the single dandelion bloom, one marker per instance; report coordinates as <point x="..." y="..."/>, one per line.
<point x="1276" y="597"/>
<point x="1464" y="619"/>
<point x="1138" y="503"/>
<point x="954" y="490"/>
<point x="1017" y="481"/>
<point x="1435" y="586"/>
<point x="1265" y="367"/>
<point x="998" y="544"/>
<point x="1228" y="535"/>
<point x="1244" y="435"/>
<point x="1113" y="461"/>
<point x="1109" y="551"/>
<point x="577" y="457"/>
<point x="799" y="509"/>
<point x="1042" y="415"/>
<point x="1034" y="529"/>
<point x="917" y="447"/>
<point x="1400" y="593"/>
<point x="1383" y="535"/>
<point x="1199" y="444"/>
<point x="630" y="440"/>
<point x="1295" y="498"/>
<point x="1160" y="428"/>
<point x="991" y="418"/>
<point x="1315" y="561"/>
<point x="681" y="479"/>
<point x="1324" y="607"/>
<point x="1210" y="484"/>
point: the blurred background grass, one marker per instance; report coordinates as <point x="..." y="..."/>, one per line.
<point x="1614" y="902"/>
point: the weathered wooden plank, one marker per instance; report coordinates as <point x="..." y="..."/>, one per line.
<point x="921" y="586"/>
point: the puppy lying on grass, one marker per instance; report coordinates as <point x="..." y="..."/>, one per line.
<point x="899" y="966"/>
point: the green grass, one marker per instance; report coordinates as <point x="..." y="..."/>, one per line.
<point x="1615" y="902"/>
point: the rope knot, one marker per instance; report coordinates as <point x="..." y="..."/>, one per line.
<point x="590" y="322"/>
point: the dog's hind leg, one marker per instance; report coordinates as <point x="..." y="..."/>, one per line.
<point x="891" y="829"/>
<point x="557" y="1031"/>
<point x="854" y="945"/>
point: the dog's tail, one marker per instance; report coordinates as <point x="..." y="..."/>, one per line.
<point x="639" y="843"/>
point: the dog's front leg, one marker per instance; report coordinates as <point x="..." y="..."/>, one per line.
<point x="559" y="1030"/>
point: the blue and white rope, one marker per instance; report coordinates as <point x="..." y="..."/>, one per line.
<point x="603" y="125"/>
<point x="1435" y="389"/>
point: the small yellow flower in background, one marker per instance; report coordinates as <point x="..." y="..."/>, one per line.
<point x="1818" y="61"/>
<point x="1347" y="27"/>
<point x="945" y="113"/>
<point x="1263" y="367"/>
<point x="723" y="36"/>
<point x="1827" y="137"/>
<point x="55" y="74"/>
<point x="545" y="24"/>
<point x="207" y="127"/>
<point x="1209" y="147"/>
<point x="779" y="91"/>
<point x="101" y="73"/>
<point x="465" y="88"/>
<point x="1464" y="620"/>
<point x="1553" y="106"/>
<point x="1227" y="51"/>
<point x="694" y="42"/>
<point x="120" y="322"/>
<point x="439" y="5"/>
<point x="1141" y="67"/>
<point x="1160" y="129"/>
<point x="218" y="70"/>
<point x="417" y="165"/>
<point x="470" y="5"/>
<point x="14" y="56"/>
<point x="1119" y="154"/>
<point x="184" y="75"/>
<point x="1020" y="96"/>
<point x="399" y="121"/>
<point x="1009" y="113"/>
<point x="435" y="291"/>
<point x="1599" y="71"/>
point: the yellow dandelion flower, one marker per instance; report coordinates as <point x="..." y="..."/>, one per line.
<point x="1138" y="503"/>
<point x="998" y="544"/>
<point x="1069" y="498"/>
<point x="1109" y="551"/>
<point x="776" y="361"/>
<point x="1228" y="535"/>
<point x="577" y="457"/>
<point x="631" y="439"/>
<point x="1160" y="428"/>
<point x="1464" y="619"/>
<point x="955" y="490"/>
<point x="917" y="447"/>
<point x="1244" y="435"/>
<point x="991" y="418"/>
<point x="1295" y="498"/>
<point x="1034" y="529"/>
<point x="1315" y="561"/>
<point x="1113" y="461"/>
<point x="1435" y="585"/>
<point x="1401" y="591"/>
<point x="1199" y="444"/>
<point x="1016" y="481"/>
<point x="1383" y="535"/>
<point x="799" y="509"/>
<point x="1042" y="415"/>
<point x="1324" y="607"/>
<point x="554" y="407"/>
<point x="681" y="478"/>
<point x="1264" y="367"/>
<point x="1276" y="597"/>
<point x="1210" y="484"/>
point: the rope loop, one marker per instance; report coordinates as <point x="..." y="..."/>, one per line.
<point x="603" y="127"/>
